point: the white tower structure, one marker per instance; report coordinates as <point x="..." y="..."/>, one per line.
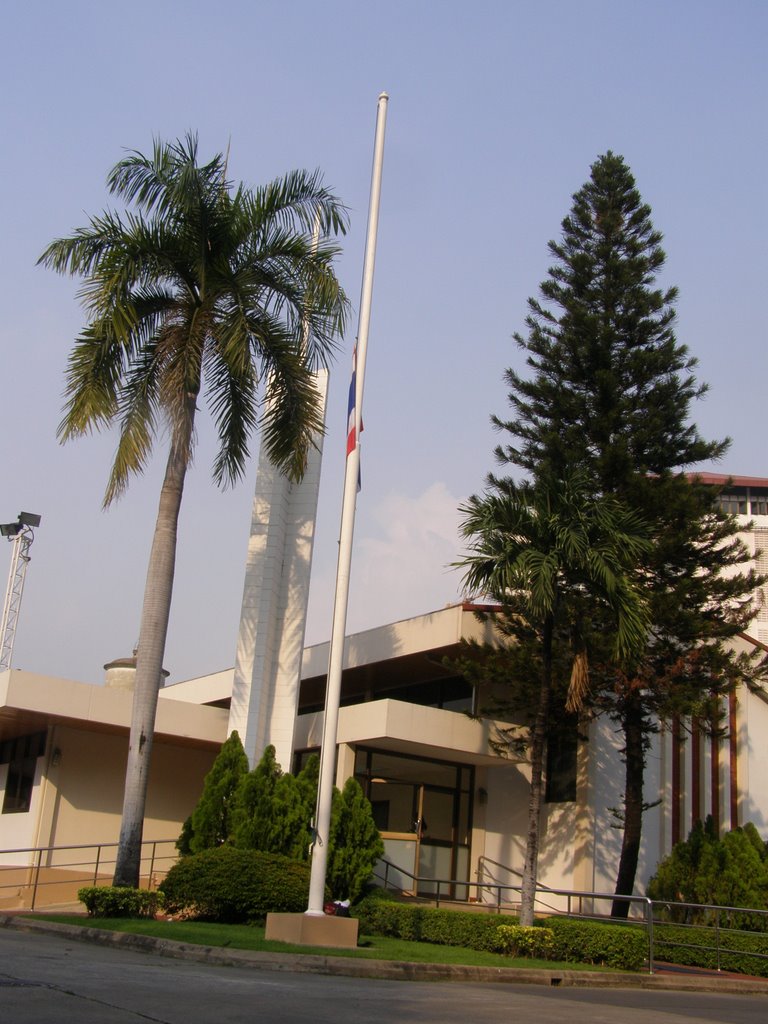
<point x="270" y="643"/>
<point x="21" y="533"/>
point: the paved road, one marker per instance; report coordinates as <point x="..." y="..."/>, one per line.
<point x="51" y="980"/>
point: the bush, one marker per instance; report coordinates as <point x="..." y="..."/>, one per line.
<point x="624" y="947"/>
<point x="731" y="871"/>
<point x="428" y="924"/>
<point x="210" y="824"/>
<point x="685" y="945"/>
<point x="119" y="901"/>
<point x="232" y="885"/>
<point x="516" y="940"/>
<point x="355" y="844"/>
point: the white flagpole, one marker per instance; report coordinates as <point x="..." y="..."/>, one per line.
<point x="351" y="475"/>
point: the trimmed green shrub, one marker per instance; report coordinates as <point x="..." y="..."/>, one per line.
<point x="520" y="941"/>
<point x="624" y="947"/>
<point x="119" y="901"/>
<point x="428" y="924"/>
<point x="684" y="945"/>
<point x="231" y="885"/>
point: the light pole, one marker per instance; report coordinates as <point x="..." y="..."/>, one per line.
<point x="21" y="534"/>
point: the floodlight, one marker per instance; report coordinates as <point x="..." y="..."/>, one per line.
<point x="29" y="519"/>
<point x="10" y="529"/>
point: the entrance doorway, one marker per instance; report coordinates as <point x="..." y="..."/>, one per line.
<point x="423" y="809"/>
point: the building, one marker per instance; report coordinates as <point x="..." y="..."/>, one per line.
<point x="449" y="806"/>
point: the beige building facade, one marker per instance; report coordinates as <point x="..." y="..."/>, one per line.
<point x="448" y="805"/>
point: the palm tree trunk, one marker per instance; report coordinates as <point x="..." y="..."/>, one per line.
<point x="634" y="769"/>
<point x="155" y="612"/>
<point x="538" y="751"/>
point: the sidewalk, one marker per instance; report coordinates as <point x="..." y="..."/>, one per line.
<point x="668" y="977"/>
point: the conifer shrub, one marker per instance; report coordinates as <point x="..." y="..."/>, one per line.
<point x="235" y="886"/>
<point x="210" y="824"/>
<point x="731" y="871"/>
<point x="119" y="901"/>
<point x="355" y="844"/>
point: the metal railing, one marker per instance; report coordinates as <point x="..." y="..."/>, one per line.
<point x="721" y="925"/>
<point x="42" y="873"/>
<point x="38" y="876"/>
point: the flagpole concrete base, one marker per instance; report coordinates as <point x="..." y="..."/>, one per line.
<point x="310" y="930"/>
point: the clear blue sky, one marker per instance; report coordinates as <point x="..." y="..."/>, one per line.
<point x="497" y="111"/>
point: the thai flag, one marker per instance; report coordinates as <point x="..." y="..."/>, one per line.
<point x="351" y="407"/>
<point x="352" y="415"/>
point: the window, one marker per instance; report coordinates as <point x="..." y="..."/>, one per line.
<point x="20" y="754"/>
<point x="562" y="748"/>
<point x="734" y="504"/>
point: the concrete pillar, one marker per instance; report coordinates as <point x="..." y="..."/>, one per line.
<point x="270" y="643"/>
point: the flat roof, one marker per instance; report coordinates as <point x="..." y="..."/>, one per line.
<point x="737" y="481"/>
<point x="29" y="702"/>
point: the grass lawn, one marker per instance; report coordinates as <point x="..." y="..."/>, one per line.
<point x="373" y="947"/>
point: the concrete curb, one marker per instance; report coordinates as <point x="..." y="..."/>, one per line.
<point x="391" y="970"/>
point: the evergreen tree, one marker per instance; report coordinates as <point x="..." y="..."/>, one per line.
<point x="210" y="824"/>
<point x="608" y="391"/>
<point x="294" y="800"/>
<point x="275" y="809"/>
<point x="731" y="871"/>
<point x="306" y="783"/>
<point x="550" y="554"/>
<point x="253" y="815"/>
<point x="355" y="843"/>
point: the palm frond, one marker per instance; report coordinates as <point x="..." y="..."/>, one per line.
<point x="292" y="418"/>
<point x="139" y="403"/>
<point x="199" y="287"/>
<point x="94" y="371"/>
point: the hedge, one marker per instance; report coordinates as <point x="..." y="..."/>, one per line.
<point x="428" y="924"/>
<point x="739" y="942"/>
<point x="119" y="901"/>
<point x="624" y="947"/>
<point x="232" y="885"/>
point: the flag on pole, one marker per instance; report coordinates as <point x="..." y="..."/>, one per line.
<point x="346" y="531"/>
<point x="352" y="416"/>
<point x="352" y="407"/>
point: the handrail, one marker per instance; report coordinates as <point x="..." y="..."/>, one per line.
<point x="34" y="865"/>
<point x="651" y="912"/>
<point x="482" y="860"/>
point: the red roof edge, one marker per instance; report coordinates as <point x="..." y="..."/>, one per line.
<point x="723" y="478"/>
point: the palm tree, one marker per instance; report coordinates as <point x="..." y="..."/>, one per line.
<point x="547" y="552"/>
<point x="198" y="288"/>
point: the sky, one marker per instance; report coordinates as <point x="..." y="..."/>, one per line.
<point x="496" y="112"/>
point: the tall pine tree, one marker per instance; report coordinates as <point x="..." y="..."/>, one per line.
<point x="608" y="391"/>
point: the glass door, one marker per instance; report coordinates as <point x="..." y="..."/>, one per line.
<point x="423" y="811"/>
